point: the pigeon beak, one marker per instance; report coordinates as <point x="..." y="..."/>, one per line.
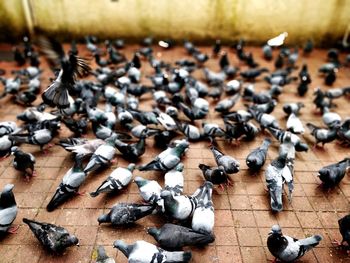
<point x="78" y="245"/>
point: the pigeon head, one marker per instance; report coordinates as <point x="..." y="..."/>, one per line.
<point x="172" y="111"/>
<point x="72" y="240"/>
<point x="140" y="181"/>
<point x="179" y="167"/>
<point x="131" y="167"/>
<point x="101" y="253"/>
<point x="276" y="230"/>
<point x="122" y="246"/>
<point x="103" y="219"/>
<point x="153" y="231"/>
<point x="14" y="149"/>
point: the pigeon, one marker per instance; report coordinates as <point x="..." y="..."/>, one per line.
<point x="344" y="132"/>
<point x="149" y="189"/>
<point x="172" y="237"/>
<point x="229" y="164"/>
<point x="72" y="66"/>
<point x="167" y="159"/>
<point x="331" y="119"/>
<point x="54" y="238"/>
<point x="144" y="252"/>
<point x="179" y="207"/>
<point x="102" y="256"/>
<point x="216" y="175"/>
<point x="256" y="159"/>
<point x="226" y="104"/>
<point x="8" y="210"/>
<point x="102" y="156"/>
<point x="265" y="120"/>
<point x="251" y="74"/>
<point x="69" y="186"/>
<point x="233" y="87"/>
<point x="322" y="135"/>
<point x="35" y="115"/>
<point x="7" y="127"/>
<point x="294" y="124"/>
<point x="174" y="180"/>
<point x="203" y="215"/>
<point x="278" y="40"/>
<point x="212" y="130"/>
<point x="191" y="132"/>
<point x="267" y="52"/>
<point x="124" y="213"/>
<point x="288" y="249"/>
<point x="332" y="174"/>
<point x="344" y="229"/>
<point x="274" y="182"/>
<point x="132" y="151"/>
<point x="23" y="162"/>
<point x="280" y="136"/>
<point x="118" y="179"/>
<point x="290" y="108"/>
<point x="82" y="148"/>
<point x="5" y="146"/>
<point x="38" y="137"/>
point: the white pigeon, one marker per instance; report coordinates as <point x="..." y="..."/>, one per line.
<point x="294" y="124"/>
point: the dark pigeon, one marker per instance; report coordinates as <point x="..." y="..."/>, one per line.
<point x="54" y="238"/>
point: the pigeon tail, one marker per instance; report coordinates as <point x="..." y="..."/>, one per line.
<point x="57" y="200"/>
<point x="178" y="257"/>
<point x="310" y="242"/>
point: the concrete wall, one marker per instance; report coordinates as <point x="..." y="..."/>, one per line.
<point x="255" y="20"/>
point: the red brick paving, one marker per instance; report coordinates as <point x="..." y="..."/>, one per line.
<point x="243" y="216"/>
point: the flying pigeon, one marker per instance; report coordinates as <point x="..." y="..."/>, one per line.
<point x="288" y="249"/>
<point x="8" y="210"/>
<point x="172" y="237"/>
<point x="54" y="238"/>
<point x="124" y="213"/>
<point x="116" y="181"/>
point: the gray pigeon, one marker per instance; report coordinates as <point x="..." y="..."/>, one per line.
<point x="124" y="214"/>
<point x="322" y="135"/>
<point x="7" y="127"/>
<point x="289" y="249"/>
<point x="294" y="107"/>
<point x="180" y="207"/>
<point x="274" y="182"/>
<point x="226" y="104"/>
<point x="102" y="256"/>
<point x="144" y="252"/>
<point x="103" y="155"/>
<point x="38" y="137"/>
<point x="69" y="186"/>
<point x="203" y="217"/>
<point x="8" y="210"/>
<point x="149" y="189"/>
<point x="174" y="180"/>
<point x="256" y="159"/>
<point x="332" y="174"/>
<point x="167" y="159"/>
<point x="54" y="238"/>
<point x="229" y="163"/>
<point x="82" y="148"/>
<point x="5" y="145"/>
<point x="294" y="124"/>
<point x="172" y="237"/>
<point x="118" y="179"/>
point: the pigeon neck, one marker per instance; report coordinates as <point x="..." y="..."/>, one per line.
<point x="154" y="232"/>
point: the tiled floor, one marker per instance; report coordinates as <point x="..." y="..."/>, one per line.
<point x="242" y="212"/>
